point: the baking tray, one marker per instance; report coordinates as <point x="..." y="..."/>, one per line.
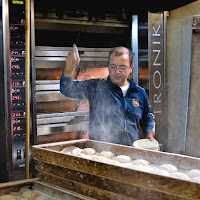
<point x="45" y="188"/>
<point x="106" y="181"/>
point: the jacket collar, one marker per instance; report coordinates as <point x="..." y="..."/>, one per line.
<point x="114" y="86"/>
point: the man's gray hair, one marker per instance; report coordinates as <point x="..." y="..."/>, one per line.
<point x="118" y="52"/>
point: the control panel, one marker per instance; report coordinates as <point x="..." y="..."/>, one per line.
<point x="17" y="55"/>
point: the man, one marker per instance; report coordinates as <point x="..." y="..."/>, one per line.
<point x="117" y="106"/>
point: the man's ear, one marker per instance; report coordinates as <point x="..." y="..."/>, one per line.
<point x="132" y="66"/>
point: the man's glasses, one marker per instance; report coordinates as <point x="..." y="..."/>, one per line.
<point x="120" y="68"/>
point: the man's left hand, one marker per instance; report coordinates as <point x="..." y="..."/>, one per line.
<point x="150" y="136"/>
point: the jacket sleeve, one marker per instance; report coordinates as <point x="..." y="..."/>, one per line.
<point x="74" y="89"/>
<point x="147" y="122"/>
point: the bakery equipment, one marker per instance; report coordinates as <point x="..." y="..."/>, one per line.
<point x="103" y="180"/>
<point x="57" y="114"/>
<point x="43" y="188"/>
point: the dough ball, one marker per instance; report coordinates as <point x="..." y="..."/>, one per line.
<point x="140" y="162"/>
<point x="88" y="151"/>
<point x="122" y="159"/>
<point x="70" y="149"/>
<point x="99" y="158"/>
<point x="8" y="197"/>
<point x="194" y="173"/>
<point x="29" y="194"/>
<point x="156" y="170"/>
<point x="196" y="179"/>
<point x="24" y="189"/>
<point x="112" y="162"/>
<point x="82" y="155"/>
<point x="162" y="172"/>
<point x="76" y="150"/>
<point x="42" y="198"/>
<point x="107" y="154"/>
<point x="169" y="168"/>
<point x="179" y="175"/>
<point x="137" y="167"/>
<point x="14" y="193"/>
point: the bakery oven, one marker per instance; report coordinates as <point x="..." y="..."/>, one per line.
<point x="12" y="91"/>
<point x="58" y="117"/>
<point x="53" y="117"/>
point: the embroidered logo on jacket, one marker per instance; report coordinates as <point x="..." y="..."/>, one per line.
<point x="135" y="102"/>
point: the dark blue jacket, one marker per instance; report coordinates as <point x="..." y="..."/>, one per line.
<point x="113" y="118"/>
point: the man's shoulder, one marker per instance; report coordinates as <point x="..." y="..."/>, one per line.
<point x="97" y="80"/>
<point x="137" y="87"/>
<point x="141" y="90"/>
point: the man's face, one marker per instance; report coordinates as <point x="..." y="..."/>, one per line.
<point x="119" y="68"/>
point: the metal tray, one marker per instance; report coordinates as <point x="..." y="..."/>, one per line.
<point x="107" y="181"/>
<point x="42" y="187"/>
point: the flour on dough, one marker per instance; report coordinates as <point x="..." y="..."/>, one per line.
<point x="194" y="173"/>
<point x="140" y="162"/>
<point x="107" y="154"/>
<point x="156" y="170"/>
<point x="122" y="159"/>
<point x="76" y="150"/>
<point x="99" y="158"/>
<point x="137" y="167"/>
<point x="42" y="198"/>
<point x="82" y="155"/>
<point x="8" y="197"/>
<point x="196" y="179"/>
<point x="169" y="168"/>
<point x="24" y="189"/>
<point x="179" y="175"/>
<point x="88" y="151"/>
<point x="69" y="149"/>
<point x="113" y="162"/>
<point x="29" y="194"/>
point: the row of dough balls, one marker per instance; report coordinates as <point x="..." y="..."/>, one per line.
<point x="126" y="161"/>
<point x="24" y="194"/>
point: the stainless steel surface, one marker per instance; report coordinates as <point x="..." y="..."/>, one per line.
<point x="192" y="139"/>
<point x="48" y="91"/>
<point x="33" y="77"/>
<point x="135" y="47"/>
<point x="81" y="24"/>
<point x="55" y="57"/>
<point x="157" y="74"/>
<point x="48" y="87"/>
<point x="27" y="81"/>
<point x="143" y="55"/>
<point x="62" y="122"/>
<point x="5" y="97"/>
<point x="61" y="117"/>
<point x="61" y="128"/>
<point x="49" y="96"/>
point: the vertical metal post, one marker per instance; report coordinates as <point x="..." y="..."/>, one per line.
<point x="5" y="95"/>
<point x="157" y="73"/>
<point x="135" y="47"/>
<point x="27" y="82"/>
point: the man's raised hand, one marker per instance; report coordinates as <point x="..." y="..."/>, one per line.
<point x="72" y="61"/>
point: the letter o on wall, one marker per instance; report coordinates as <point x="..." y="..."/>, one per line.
<point x="157" y="79"/>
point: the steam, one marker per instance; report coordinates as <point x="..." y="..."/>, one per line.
<point x="105" y="116"/>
